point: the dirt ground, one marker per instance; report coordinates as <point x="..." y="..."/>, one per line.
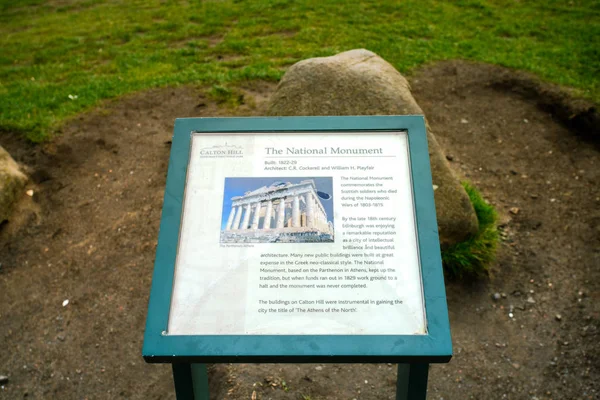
<point x="89" y="233"/>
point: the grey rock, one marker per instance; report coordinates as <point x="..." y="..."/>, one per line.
<point x="359" y="82"/>
<point x="496" y="296"/>
<point x="12" y="183"/>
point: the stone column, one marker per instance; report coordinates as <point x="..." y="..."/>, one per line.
<point x="246" y="220"/>
<point x="296" y="212"/>
<point x="256" y="215"/>
<point x="310" y="210"/>
<point x="268" y="212"/>
<point x="238" y="217"/>
<point x="318" y="221"/>
<point x="230" y="219"/>
<point x="320" y="216"/>
<point x="281" y="213"/>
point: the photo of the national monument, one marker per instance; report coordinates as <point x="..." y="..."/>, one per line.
<point x="277" y="210"/>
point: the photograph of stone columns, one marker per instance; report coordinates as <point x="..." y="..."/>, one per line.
<point x="277" y="210"/>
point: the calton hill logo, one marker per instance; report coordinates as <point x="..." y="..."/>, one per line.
<point x="222" y="151"/>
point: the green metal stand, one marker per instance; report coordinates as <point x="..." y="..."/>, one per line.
<point x="412" y="381"/>
<point x="191" y="381"/>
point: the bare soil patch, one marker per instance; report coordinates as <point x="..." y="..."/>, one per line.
<point x="89" y="234"/>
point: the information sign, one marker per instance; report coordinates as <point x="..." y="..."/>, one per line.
<point x="298" y="238"/>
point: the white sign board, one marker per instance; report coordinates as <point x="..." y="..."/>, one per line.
<point x="298" y="234"/>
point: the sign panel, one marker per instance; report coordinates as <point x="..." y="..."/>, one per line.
<point x="298" y="239"/>
<point x="298" y="233"/>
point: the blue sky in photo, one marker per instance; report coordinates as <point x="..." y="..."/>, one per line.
<point x="239" y="186"/>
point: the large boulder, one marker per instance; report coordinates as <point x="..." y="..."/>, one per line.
<point x="359" y="82"/>
<point x="12" y="183"/>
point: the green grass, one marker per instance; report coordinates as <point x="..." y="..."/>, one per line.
<point x="473" y="257"/>
<point x="96" y="49"/>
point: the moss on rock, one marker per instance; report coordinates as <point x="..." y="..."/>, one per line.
<point x="473" y="257"/>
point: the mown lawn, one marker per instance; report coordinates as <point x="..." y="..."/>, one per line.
<point x="58" y="58"/>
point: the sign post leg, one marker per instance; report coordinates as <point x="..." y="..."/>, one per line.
<point x="191" y="381"/>
<point x="412" y="381"/>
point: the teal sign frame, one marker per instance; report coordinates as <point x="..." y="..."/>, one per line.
<point x="409" y="350"/>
